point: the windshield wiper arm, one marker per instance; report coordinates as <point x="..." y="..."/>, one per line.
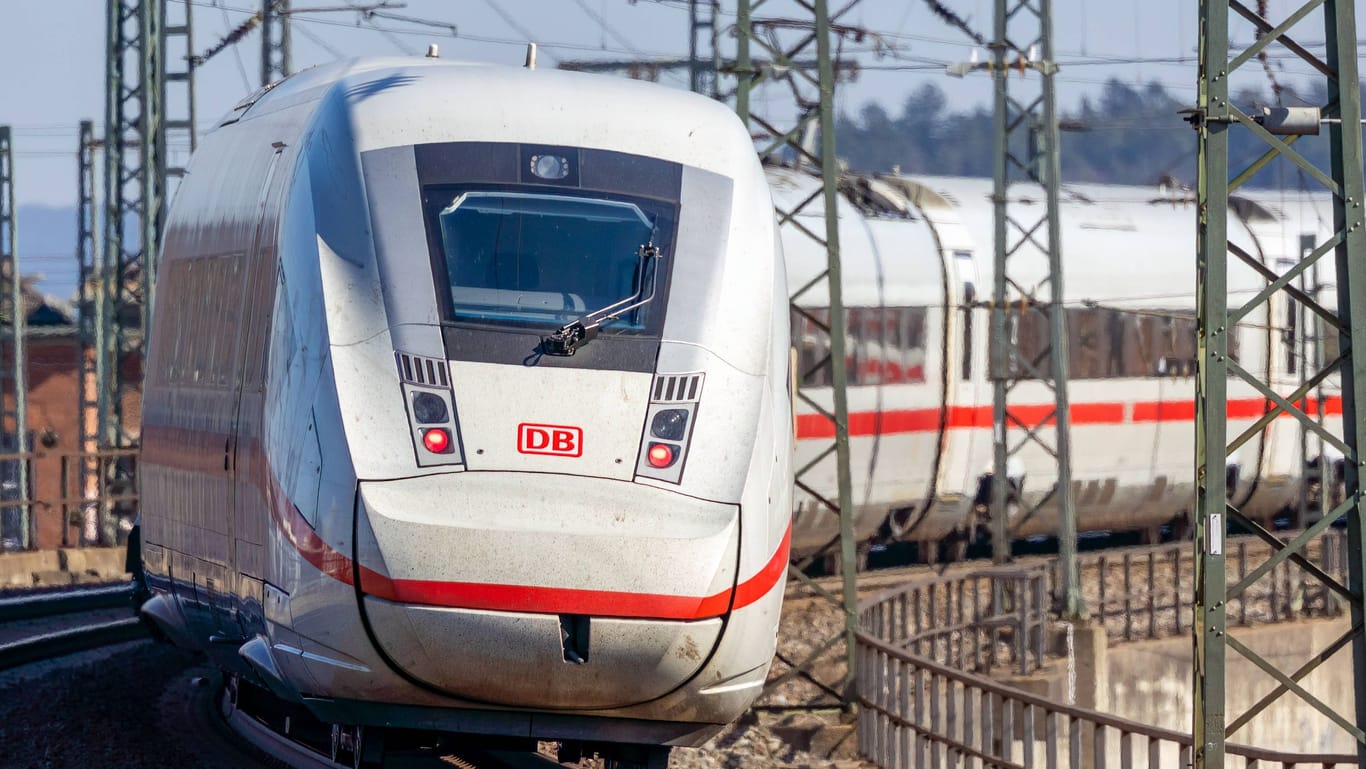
<point x="567" y="339"/>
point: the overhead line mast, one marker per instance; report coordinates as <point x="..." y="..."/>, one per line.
<point x="14" y="439"/>
<point x="812" y="112"/>
<point x="1218" y="314"/>
<point x="1027" y="301"/>
<point x="276" y="46"/>
<point x="89" y="308"/>
<point x="138" y="174"/>
<point x="1026" y="137"/>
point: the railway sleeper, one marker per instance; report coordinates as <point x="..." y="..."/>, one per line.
<point x="616" y="756"/>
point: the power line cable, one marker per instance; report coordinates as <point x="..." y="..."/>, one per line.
<point x="948" y="16"/>
<point x="608" y="28"/>
<point x="253" y="20"/>
<point x="427" y="34"/>
<point x="323" y="44"/>
<point x="512" y="22"/>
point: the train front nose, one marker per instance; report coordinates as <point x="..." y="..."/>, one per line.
<point x="543" y="590"/>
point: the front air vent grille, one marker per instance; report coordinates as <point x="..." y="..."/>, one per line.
<point x="424" y="371"/>
<point x="677" y="388"/>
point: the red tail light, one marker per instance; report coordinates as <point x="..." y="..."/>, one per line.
<point x="437" y="440"/>
<point x="660" y="455"/>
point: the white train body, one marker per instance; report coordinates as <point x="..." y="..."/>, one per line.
<point x="917" y="259"/>
<point x="374" y="251"/>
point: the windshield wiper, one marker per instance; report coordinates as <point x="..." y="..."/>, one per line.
<point x="567" y="339"/>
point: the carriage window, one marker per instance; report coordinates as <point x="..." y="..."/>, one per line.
<point x="1027" y="331"/>
<point x="202" y="350"/>
<point x="813" y="347"/>
<point x="524" y="257"/>
<point x="885" y="345"/>
<point x="1108" y="343"/>
<point x="967" y="275"/>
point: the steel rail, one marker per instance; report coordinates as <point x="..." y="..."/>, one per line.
<point x="276" y="745"/>
<point x="61" y="643"/>
<point x="65" y="602"/>
<point x="297" y="755"/>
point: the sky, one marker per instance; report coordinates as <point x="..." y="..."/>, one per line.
<point x="52" y="57"/>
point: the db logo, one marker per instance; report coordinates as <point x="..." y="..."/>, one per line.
<point x="557" y="440"/>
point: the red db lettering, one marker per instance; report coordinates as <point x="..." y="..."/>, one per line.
<point x="553" y="440"/>
<point x="536" y="438"/>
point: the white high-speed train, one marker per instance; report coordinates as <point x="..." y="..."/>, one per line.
<point x="917" y="261"/>
<point x="466" y="408"/>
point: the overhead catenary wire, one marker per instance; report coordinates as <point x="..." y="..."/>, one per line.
<point x="608" y="28"/>
<point x="517" y="27"/>
<point x="254" y="20"/>
<point x="452" y="30"/>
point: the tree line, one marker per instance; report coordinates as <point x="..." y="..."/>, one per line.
<point x="1125" y="134"/>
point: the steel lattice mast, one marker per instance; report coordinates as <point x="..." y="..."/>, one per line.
<point x="89" y="306"/>
<point x="13" y="374"/>
<point x="1027" y="289"/>
<point x="1218" y="314"/>
<point x="137" y="180"/>
<point x="276" y="51"/>
<point x="818" y="112"/>
<point x="702" y="73"/>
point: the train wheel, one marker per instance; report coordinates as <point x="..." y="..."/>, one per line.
<point x="958" y="548"/>
<point x="368" y="752"/>
<point x="928" y="552"/>
<point x="231" y="694"/>
<point x="833" y="561"/>
<point x="1182" y="530"/>
<point x="338" y="749"/>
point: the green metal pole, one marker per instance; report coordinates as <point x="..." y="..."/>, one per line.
<point x="999" y="366"/>
<point x="112" y="254"/>
<point x="152" y="132"/>
<point x="823" y="117"/>
<point x="839" y="369"/>
<point x="18" y="373"/>
<point x="1049" y="152"/>
<point x="276" y="53"/>
<point x="14" y="334"/>
<point x="1211" y="406"/>
<point x="744" y="77"/>
<point x="91" y="293"/>
<point x="1344" y="139"/>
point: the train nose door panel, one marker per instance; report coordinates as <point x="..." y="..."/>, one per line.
<point x="246" y="458"/>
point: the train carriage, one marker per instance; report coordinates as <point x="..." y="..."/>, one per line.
<point x="467" y="407"/>
<point x="921" y="441"/>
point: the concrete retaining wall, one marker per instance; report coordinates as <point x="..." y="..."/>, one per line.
<point x="67" y="566"/>
<point x="1150" y="682"/>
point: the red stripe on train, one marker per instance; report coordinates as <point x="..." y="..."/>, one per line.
<point x="527" y="598"/>
<point x="868" y="423"/>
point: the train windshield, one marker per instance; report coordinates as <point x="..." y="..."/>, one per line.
<point x="542" y="258"/>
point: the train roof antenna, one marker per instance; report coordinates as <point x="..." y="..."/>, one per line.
<point x="531" y="56"/>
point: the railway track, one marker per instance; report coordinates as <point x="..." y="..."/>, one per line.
<point x="305" y="747"/>
<point x="52" y="625"/>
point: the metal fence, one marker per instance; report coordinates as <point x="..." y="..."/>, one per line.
<point x="73" y="499"/>
<point x="923" y="648"/>
<point x="98" y="496"/>
<point x="18" y="526"/>
<point x="915" y="712"/>
<point x="1148" y="592"/>
<point x="977" y="622"/>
